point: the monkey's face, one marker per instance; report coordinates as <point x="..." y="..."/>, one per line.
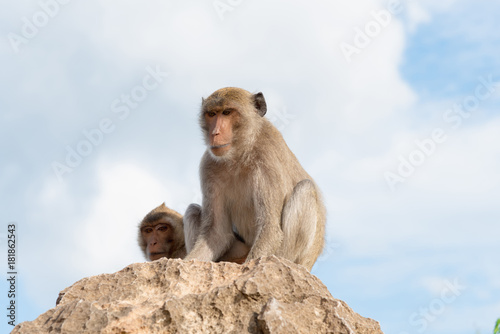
<point x="220" y="122"/>
<point x="228" y="119"/>
<point x="158" y="239"/>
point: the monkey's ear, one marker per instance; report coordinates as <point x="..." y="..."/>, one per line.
<point x="260" y="103"/>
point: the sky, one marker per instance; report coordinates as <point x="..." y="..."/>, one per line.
<point x="391" y="106"/>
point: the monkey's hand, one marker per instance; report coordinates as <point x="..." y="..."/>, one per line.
<point x="201" y="252"/>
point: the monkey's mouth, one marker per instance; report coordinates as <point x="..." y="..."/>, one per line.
<point x="156" y="256"/>
<point x="220" y="150"/>
<point x="214" y="147"/>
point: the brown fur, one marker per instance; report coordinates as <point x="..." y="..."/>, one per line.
<point x="256" y="184"/>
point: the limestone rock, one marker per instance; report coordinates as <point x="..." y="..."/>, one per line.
<point x="269" y="295"/>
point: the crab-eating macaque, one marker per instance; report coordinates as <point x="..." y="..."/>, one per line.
<point x="161" y="234"/>
<point x="253" y="183"/>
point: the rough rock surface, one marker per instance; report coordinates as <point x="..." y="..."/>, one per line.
<point x="269" y="295"/>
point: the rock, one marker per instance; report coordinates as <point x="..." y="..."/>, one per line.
<point x="268" y="295"/>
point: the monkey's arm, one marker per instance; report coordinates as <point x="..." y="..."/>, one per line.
<point x="216" y="233"/>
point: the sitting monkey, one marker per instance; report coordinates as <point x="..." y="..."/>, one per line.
<point x="252" y="181"/>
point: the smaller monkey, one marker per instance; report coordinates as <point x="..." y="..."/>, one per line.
<point x="161" y="234"/>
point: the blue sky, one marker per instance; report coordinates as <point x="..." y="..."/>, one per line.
<point x="453" y="50"/>
<point x="418" y="253"/>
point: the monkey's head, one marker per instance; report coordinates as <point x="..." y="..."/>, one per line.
<point x="161" y="234"/>
<point x="230" y="119"/>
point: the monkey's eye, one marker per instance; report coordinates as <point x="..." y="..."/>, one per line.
<point x="162" y="228"/>
<point x="147" y="230"/>
<point x="210" y="113"/>
<point x="226" y="112"/>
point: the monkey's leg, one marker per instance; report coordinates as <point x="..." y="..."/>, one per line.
<point x="302" y="242"/>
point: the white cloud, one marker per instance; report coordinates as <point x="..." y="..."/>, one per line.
<point x="106" y="238"/>
<point x="417" y="15"/>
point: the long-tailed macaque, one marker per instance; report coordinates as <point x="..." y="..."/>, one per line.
<point x="253" y="183"/>
<point x="161" y="234"/>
